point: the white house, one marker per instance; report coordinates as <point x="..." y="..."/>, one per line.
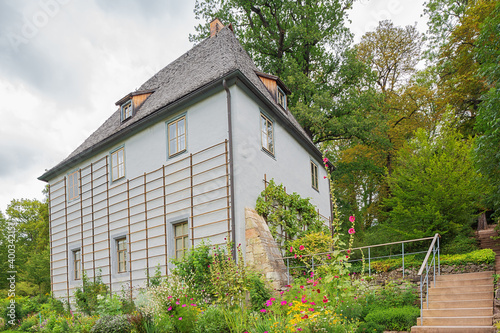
<point x="177" y="162"/>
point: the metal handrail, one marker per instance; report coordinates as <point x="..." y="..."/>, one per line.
<point x="425" y="280"/>
<point x="370" y="258"/>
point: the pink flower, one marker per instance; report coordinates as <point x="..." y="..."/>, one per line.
<point x="177" y="303"/>
<point x="352" y="231"/>
<point x="291" y="249"/>
<point x="312" y="303"/>
<point x="180" y="318"/>
<point x="312" y="274"/>
<point x="347" y="257"/>
<point x="263" y="310"/>
<point x="169" y="308"/>
<point x="348" y="251"/>
<point x="352" y="219"/>
<point x="325" y="160"/>
<point x="184" y="305"/>
<point x="295" y="256"/>
<point x="272" y="299"/>
<point x="324" y="177"/>
<point x="301" y="247"/>
<point x="283" y="303"/>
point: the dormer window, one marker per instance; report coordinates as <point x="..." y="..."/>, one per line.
<point x="281" y="98"/>
<point x="127" y="110"/>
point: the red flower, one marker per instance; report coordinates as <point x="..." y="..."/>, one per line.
<point x="352" y="231"/>
<point x="352" y="219"/>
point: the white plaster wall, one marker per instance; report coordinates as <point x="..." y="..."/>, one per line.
<point x="289" y="166"/>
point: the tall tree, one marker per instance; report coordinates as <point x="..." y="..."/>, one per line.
<point x="453" y="30"/>
<point x="487" y="149"/>
<point x="29" y="218"/>
<point x="435" y="187"/>
<point x="305" y="43"/>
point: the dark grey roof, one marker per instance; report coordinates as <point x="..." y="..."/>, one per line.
<point x="210" y="60"/>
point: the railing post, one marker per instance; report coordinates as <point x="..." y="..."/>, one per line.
<point x="288" y="271"/>
<point x="421" y="302"/>
<point x="403" y="246"/>
<point x="434" y="261"/>
<point x="439" y="259"/>
<point x="369" y="263"/>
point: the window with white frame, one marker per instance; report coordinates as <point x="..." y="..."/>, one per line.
<point x="127" y="110"/>
<point x="181" y="239"/>
<point x="77" y="264"/>
<point x="118" y="164"/>
<point x="177" y="136"/>
<point x="73" y="185"/>
<point x="267" y="135"/>
<point x="314" y="175"/>
<point x="281" y="98"/>
<point x="121" y="254"/>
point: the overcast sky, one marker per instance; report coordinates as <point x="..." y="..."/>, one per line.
<point x="64" y="64"/>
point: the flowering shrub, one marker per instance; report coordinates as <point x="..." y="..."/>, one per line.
<point x="229" y="277"/>
<point x="112" y="324"/>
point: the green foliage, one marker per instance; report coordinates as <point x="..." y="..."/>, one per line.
<point x="259" y="291"/>
<point x="478" y="257"/>
<point x="289" y="213"/>
<point x="28" y="219"/>
<point x="211" y="320"/>
<point x="108" y="305"/>
<point x="486" y="151"/>
<point x="229" y="276"/>
<point x="154" y="280"/>
<point x="460" y="244"/>
<point x="370" y="327"/>
<point x="395" y="319"/>
<point x="435" y="188"/>
<point x="86" y="296"/>
<point x="112" y="324"/>
<point x="195" y="266"/>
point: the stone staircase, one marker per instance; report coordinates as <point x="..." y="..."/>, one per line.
<point x="459" y="303"/>
<point x="485" y="242"/>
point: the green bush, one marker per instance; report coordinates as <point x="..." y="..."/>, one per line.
<point x="211" y="321"/>
<point x="370" y="327"/>
<point x="195" y="267"/>
<point x="86" y="296"/>
<point x="28" y="322"/>
<point x="394" y="319"/>
<point x="12" y="312"/>
<point x="460" y="244"/>
<point x="259" y="292"/>
<point x="484" y="256"/>
<point x="112" y="324"/>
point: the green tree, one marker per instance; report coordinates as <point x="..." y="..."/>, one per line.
<point x="306" y="44"/>
<point x="32" y="262"/>
<point x="435" y="187"/>
<point x="487" y="148"/>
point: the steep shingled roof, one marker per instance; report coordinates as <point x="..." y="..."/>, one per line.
<point x="210" y="60"/>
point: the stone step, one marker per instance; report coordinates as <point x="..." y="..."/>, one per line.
<point x="472" y="288"/>
<point x="458" y="312"/>
<point x="476" y="303"/>
<point x="453" y="329"/>
<point x="465" y="276"/>
<point x="462" y="296"/>
<point x="464" y="282"/>
<point x="457" y="321"/>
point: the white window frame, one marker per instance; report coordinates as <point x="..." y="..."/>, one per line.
<point x="127" y="110"/>
<point x="117" y="167"/>
<point x="77" y="264"/>
<point x="266" y="136"/>
<point x="180" y="146"/>
<point x="314" y="176"/>
<point x="281" y="97"/>
<point x="118" y="252"/>
<point x="185" y="240"/>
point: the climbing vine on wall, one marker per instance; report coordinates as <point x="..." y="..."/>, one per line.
<point x="288" y="216"/>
